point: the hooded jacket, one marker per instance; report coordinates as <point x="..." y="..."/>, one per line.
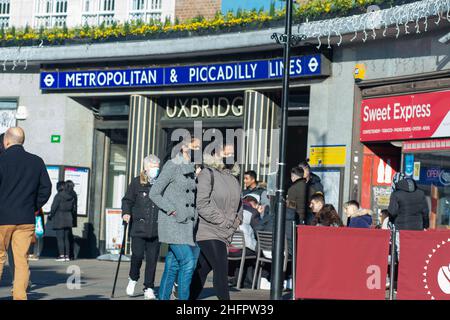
<point x="143" y="212"/>
<point x="408" y="206"/>
<point x="219" y="204"/>
<point x="361" y="219"/>
<point x="63" y="209"/>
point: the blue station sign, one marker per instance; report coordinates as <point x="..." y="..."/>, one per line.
<point x="302" y="66"/>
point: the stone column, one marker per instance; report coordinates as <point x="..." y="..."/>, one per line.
<point x="260" y="145"/>
<point x="144" y="132"/>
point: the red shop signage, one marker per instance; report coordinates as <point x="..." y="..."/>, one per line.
<point x="414" y="116"/>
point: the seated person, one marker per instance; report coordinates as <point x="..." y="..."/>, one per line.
<point x="357" y="217"/>
<point x="250" y="209"/>
<point x="327" y="217"/>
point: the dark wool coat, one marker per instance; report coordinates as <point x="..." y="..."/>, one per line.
<point x="25" y="186"/>
<point x="143" y="212"/>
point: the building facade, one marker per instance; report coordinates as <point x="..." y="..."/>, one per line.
<point x="93" y="112"/>
<point x="73" y="13"/>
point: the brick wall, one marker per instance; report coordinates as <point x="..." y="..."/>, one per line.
<point x="187" y="9"/>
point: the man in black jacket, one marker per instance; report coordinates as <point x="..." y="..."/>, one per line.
<point x="24" y="188"/>
<point x="142" y="213"/>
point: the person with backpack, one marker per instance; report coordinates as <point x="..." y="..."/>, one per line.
<point x="220" y="213"/>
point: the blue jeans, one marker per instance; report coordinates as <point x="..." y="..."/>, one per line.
<point x="181" y="260"/>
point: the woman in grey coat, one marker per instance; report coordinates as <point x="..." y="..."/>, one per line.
<point x="220" y="214"/>
<point x="174" y="193"/>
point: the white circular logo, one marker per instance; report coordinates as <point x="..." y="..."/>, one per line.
<point x="436" y="275"/>
<point x="444" y="178"/>
<point x="49" y="80"/>
<point x="313" y="64"/>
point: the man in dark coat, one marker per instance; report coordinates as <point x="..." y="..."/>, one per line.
<point x="296" y="196"/>
<point x="142" y="213"/>
<point x="313" y="186"/>
<point x="408" y="206"/>
<point x="24" y="188"/>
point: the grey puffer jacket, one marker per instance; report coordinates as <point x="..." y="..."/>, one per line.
<point x="220" y="207"/>
<point x="174" y="190"/>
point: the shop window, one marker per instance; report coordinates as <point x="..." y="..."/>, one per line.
<point x="431" y="171"/>
<point x="145" y="10"/>
<point x="97" y="12"/>
<point x="50" y="13"/>
<point x="4" y="13"/>
<point x="7" y="114"/>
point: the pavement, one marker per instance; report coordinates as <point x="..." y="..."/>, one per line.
<point x="91" y="279"/>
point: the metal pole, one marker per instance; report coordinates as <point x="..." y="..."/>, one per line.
<point x="392" y="270"/>
<point x="294" y="257"/>
<point x="122" y="251"/>
<point x="279" y="234"/>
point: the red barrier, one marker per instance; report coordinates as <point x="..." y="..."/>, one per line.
<point x="341" y="263"/>
<point x="424" y="265"/>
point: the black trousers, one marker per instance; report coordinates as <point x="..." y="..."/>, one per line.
<point x="150" y="248"/>
<point x="63" y="240"/>
<point x="213" y="256"/>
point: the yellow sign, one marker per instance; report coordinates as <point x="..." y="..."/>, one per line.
<point x="360" y="72"/>
<point x="327" y="155"/>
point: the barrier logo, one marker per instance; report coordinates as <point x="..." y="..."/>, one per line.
<point x="436" y="275"/>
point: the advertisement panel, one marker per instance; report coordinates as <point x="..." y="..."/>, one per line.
<point x="414" y="116"/>
<point x="80" y="177"/>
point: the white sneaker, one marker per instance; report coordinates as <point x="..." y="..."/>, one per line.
<point x="61" y="259"/>
<point x="174" y="294"/>
<point x="149" y="294"/>
<point x="130" y="287"/>
<point x="265" y="284"/>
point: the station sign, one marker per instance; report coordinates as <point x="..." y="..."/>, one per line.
<point x="259" y="70"/>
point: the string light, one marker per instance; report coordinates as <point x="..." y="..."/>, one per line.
<point x="397" y="16"/>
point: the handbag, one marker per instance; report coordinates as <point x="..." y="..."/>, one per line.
<point x="39" y="227"/>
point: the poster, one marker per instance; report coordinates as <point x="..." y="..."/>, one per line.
<point x="80" y="177"/>
<point x="380" y="200"/>
<point x="416" y="175"/>
<point x="331" y="181"/>
<point x="327" y="155"/>
<point x="114" y="230"/>
<point x="53" y="172"/>
<point x="409" y="164"/>
<point x="7" y="119"/>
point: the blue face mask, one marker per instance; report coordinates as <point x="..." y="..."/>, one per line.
<point x="152" y="173"/>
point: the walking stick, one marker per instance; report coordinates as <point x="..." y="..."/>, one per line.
<point x="122" y="251"/>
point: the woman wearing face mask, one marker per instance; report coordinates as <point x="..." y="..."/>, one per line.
<point x="174" y="193"/>
<point x="219" y="208"/>
<point x="142" y="214"/>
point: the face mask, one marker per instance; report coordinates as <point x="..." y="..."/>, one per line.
<point x="152" y="173"/>
<point x="228" y="161"/>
